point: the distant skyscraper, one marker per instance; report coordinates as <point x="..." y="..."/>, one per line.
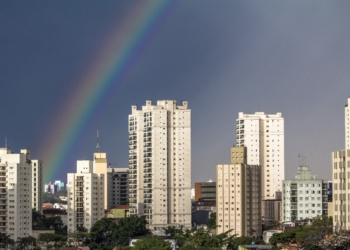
<point x="263" y="135"/>
<point x="37" y="185"/>
<point x="160" y="164"/>
<point x="238" y="200"/>
<point x="60" y="185"/>
<point x="15" y="193"/>
<point x="85" y="191"/>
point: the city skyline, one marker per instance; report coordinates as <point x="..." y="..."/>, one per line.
<point x="223" y="58"/>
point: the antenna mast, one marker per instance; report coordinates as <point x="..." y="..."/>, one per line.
<point x="97" y="145"/>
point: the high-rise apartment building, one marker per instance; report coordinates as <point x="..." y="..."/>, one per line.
<point x="263" y="135"/>
<point x="340" y="180"/>
<point x="100" y="167"/>
<point x="37" y="185"/>
<point x="238" y="196"/>
<point x="160" y="163"/>
<point x="118" y="186"/>
<point x="304" y="197"/>
<point x="85" y="191"/>
<point x="15" y="193"/>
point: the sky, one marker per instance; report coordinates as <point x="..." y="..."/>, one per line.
<point x="68" y="67"/>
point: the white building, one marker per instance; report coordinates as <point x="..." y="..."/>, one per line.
<point x="238" y="200"/>
<point x="305" y="197"/>
<point x="37" y="185"/>
<point x="160" y="163"/>
<point x="60" y="185"/>
<point x="15" y="193"/>
<point x="118" y="186"/>
<point x="263" y="135"/>
<point x="85" y="191"/>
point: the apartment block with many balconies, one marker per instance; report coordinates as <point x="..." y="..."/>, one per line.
<point x="263" y="136"/>
<point x="15" y="193"/>
<point x="85" y="194"/>
<point x="160" y="164"/>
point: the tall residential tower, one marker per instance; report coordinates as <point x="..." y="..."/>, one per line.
<point x="263" y="135"/>
<point x="160" y="163"/>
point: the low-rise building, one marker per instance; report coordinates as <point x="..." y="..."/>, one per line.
<point x="304" y="197"/>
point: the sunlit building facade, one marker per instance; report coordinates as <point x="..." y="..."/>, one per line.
<point x="160" y="164"/>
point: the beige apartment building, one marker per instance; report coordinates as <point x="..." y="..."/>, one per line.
<point x="85" y="193"/>
<point x="15" y="193"/>
<point x="263" y="136"/>
<point x="238" y="195"/>
<point x="160" y="164"/>
<point x="100" y="167"/>
<point x="37" y="185"/>
<point x="341" y="180"/>
<point x="341" y="189"/>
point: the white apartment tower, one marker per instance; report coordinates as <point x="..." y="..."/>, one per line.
<point x="238" y="200"/>
<point x="118" y="186"/>
<point x="263" y="135"/>
<point x="15" y="193"/>
<point x="85" y="191"/>
<point x="37" y="185"/>
<point x="160" y="163"/>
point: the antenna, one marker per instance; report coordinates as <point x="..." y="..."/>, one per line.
<point x="97" y="145"/>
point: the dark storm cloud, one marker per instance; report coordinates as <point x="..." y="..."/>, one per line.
<point x="224" y="57"/>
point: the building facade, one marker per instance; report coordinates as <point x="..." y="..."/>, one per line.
<point x="37" y="185"/>
<point x="263" y="136"/>
<point x="15" y="193"/>
<point x="341" y="189"/>
<point x="100" y="167"/>
<point x="238" y="196"/>
<point x="60" y="185"/>
<point x="160" y="164"/>
<point x="85" y="193"/>
<point x="118" y="187"/>
<point x="305" y="197"/>
<point x="205" y="191"/>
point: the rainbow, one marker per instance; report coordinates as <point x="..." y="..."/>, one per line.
<point x="122" y="49"/>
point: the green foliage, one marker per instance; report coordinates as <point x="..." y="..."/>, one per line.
<point x="212" y="221"/>
<point x="107" y="233"/>
<point x="52" y="241"/>
<point x="5" y="241"/>
<point x="307" y="236"/>
<point x="197" y="239"/>
<point x="152" y="243"/>
<point x="26" y="243"/>
<point x="40" y="222"/>
<point x="53" y="198"/>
